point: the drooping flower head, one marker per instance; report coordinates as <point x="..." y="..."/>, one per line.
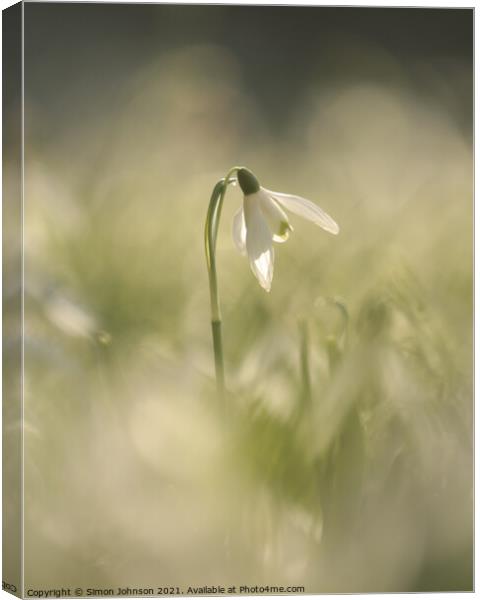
<point x="262" y="221"/>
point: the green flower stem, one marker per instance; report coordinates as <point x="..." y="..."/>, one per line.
<point x="211" y="230"/>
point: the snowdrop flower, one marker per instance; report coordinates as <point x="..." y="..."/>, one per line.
<point x="262" y="220"/>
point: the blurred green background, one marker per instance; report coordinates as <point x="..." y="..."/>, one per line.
<point x="345" y="461"/>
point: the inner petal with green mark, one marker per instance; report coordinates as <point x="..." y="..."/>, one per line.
<point x="283" y="233"/>
<point x="276" y="218"/>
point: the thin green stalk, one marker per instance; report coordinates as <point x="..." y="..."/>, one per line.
<point x="211" y="231"/>
<point x="305" y="364"/>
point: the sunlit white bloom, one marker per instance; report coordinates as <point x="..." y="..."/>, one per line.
<point x="262" y="220"/>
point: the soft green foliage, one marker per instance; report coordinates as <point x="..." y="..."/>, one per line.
<point x="344" y="462"/>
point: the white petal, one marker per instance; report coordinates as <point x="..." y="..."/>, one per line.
<point x="275" y="216"/>
<point x="239" y="231"/>
<point x="306" y="209"/>
<point x="259" y="242"/>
